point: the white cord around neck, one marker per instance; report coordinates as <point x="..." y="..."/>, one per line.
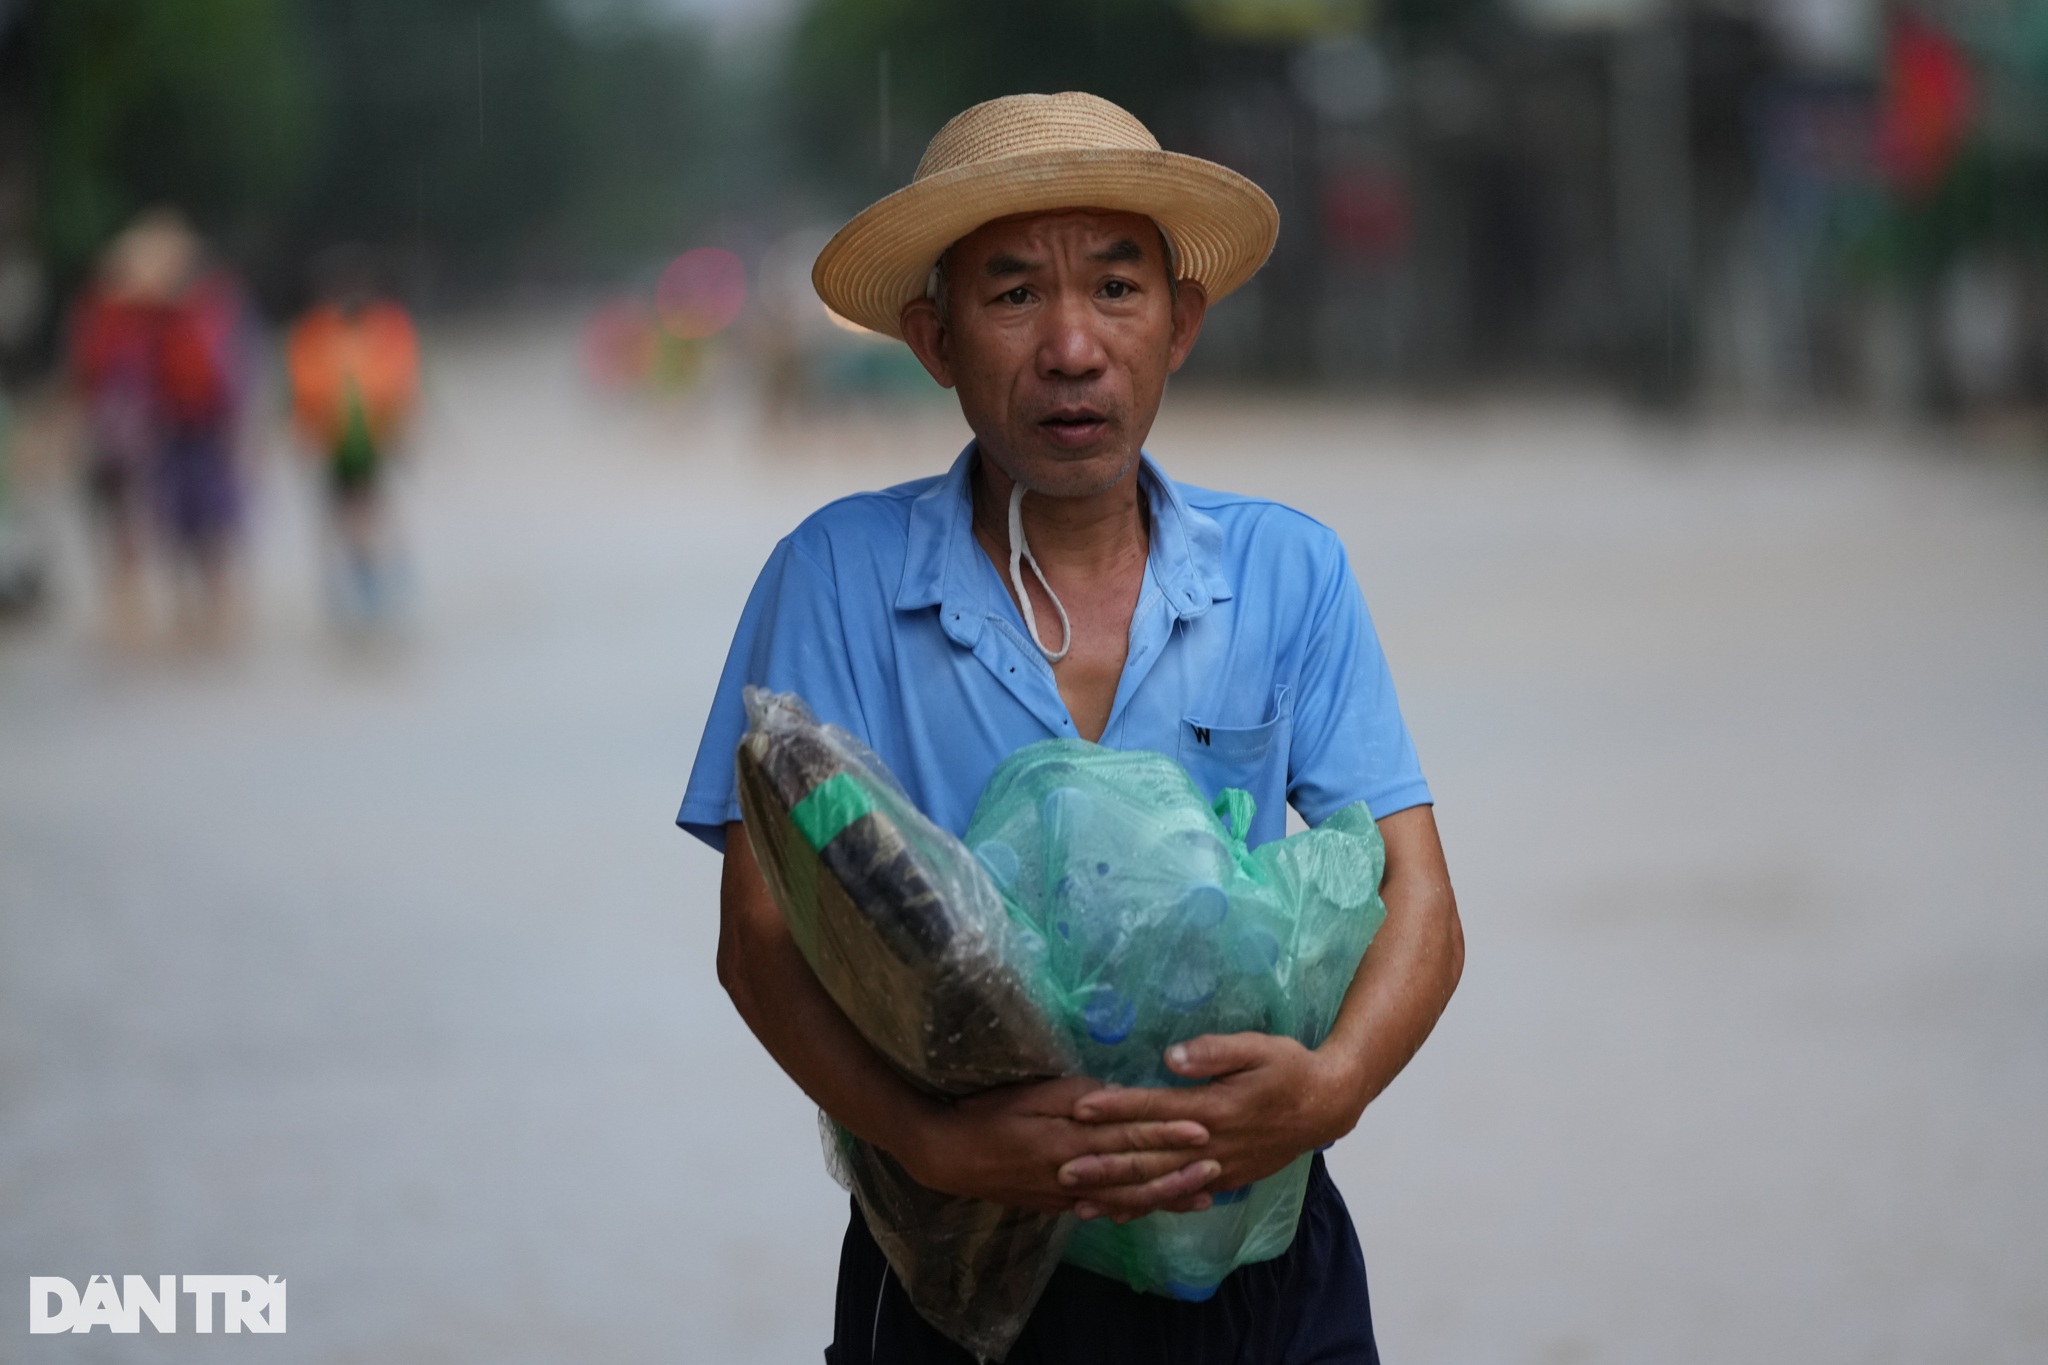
<point x="1020" y="554"/>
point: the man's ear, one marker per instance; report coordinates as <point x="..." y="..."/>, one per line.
<point x="926" y="332"/>
<point x="1189" y="309"/>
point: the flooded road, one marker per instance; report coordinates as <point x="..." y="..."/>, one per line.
<point x="383" y="969"/>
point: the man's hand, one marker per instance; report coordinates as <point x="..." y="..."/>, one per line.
<point x="1075" y="1144"/>
<point x="1023" y="1145"/>
<point x="1005" y="1145"/>
<point x="1268" y="1100"/>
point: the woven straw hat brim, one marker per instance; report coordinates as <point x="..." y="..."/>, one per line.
<point x="1222" y="225"/>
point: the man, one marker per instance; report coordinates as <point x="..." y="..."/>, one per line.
<point x="1051" y="265"/>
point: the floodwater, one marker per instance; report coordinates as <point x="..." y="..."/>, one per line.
<point x="382" y="968"/>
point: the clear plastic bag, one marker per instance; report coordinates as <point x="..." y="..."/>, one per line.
<point x="914" y="945"/>
<point x="1105" y="912"/>
<point x="1155" y="924"/>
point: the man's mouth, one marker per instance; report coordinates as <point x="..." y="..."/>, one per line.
<point x="1074" y="426"/>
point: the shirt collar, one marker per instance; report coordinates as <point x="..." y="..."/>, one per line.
<point x="944" y="567"/>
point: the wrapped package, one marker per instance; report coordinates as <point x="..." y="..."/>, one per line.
<point x="1152" y="924"/>
<point x="911" y="941"/>
<point x="1106" y="911"/>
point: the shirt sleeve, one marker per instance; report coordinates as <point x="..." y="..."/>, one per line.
<point x="791" y="638"/>
<point x="1349" y="743"/>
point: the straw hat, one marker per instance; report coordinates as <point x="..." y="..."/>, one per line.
<point x="1033" y="153"/>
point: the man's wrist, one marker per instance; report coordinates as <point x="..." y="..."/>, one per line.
<point x="918" y="1139"/>
<point x="1341" y="1089"/>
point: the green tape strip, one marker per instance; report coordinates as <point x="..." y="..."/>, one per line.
<point x="831" y="806"/>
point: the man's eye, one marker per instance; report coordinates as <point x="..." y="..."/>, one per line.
<point x="1019" y="295"/>
<point x="1117" y="289"/>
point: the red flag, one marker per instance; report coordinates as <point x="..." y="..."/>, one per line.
<point x="1929" y="100"/>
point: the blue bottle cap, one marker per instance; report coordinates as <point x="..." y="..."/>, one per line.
<point x="1204" y="906"/>
<point x="1109" y="1016"/>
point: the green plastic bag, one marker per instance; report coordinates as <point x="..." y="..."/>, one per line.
<point x="1105" y="912"/>
<point x="1151" y="923"/>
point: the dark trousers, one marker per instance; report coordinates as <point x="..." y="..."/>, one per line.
<point x="1307" y="1306"/>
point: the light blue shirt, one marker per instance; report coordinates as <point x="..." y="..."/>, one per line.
<point x="1252" y="658"/>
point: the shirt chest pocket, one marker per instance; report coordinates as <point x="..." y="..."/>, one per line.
<point x="1253" y="757"/>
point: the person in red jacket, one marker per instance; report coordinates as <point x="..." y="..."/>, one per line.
<point x="112" y="364"/>
<point x="158" y="356"/>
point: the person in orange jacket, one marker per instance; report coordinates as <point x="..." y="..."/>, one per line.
<point x="353" y="364"/>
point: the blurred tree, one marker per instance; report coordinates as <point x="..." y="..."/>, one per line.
<point x="871" y="80"/>
<point x="207" y="102"/>
<point x="656" y="151"/>
<point x="506" y="137"/>
<point x="1962" y="148"/>
<point x="474" y="139"/>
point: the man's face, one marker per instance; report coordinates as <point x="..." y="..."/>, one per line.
<point x="1059" y="332"/>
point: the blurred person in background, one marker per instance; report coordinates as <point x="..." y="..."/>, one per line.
<point x="113" y="364"/>
<point x="353" y="363"/>
<point x="159" y="357"/>
<point x="22" y="558"/>
<point x="1052" y="265"/>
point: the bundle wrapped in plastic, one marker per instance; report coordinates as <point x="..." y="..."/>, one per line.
<point x="1105" y="912"/>
<point x="1153" y="923"/>
<point x="911" y="941"/>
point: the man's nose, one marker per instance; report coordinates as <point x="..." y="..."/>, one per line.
<point x="1070" y="348"/>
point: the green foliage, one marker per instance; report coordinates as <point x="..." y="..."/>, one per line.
<point x="944" y="56"/>
<point x="1994" y="195"/>
<point x="1984" y="201"/>
<point x="484" y="135"/>
<point x="1279" y="20"/>
<point x="1426" y="23"/>
<point x="499" y="131"/>
<point x="203" y="101"/>
<point x="647" y="143"/>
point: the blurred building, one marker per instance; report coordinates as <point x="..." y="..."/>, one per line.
<point x="1769" y="203"/>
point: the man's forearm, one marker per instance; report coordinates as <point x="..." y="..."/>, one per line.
<point x="1006" y="1145"/>
<point x="1408" y="973"/>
